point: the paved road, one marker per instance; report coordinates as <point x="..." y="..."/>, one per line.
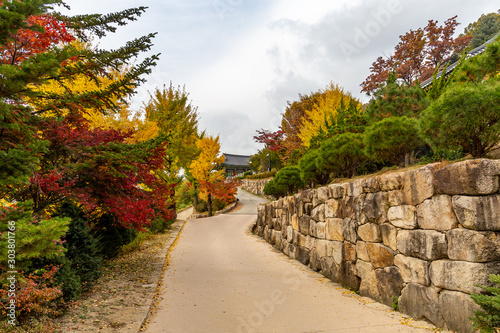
<point x="185" y="214"/>
<point x="222" y="279"/>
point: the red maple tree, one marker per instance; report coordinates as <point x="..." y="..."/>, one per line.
<point x="272" y="140"/>
<point x="97" y="169"/>
<point x="41" y="32"/>
<point x="418" y="54"/>
<point x="222" y="189"/>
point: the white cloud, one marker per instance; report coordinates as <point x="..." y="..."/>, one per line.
<point x="241" y="60"/>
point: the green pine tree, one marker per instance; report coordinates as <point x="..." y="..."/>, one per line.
<point x="487" y="320"/>
<point x="34" y="238"/>
<point x="20" y="147"/>
<point x="396" y="100"/>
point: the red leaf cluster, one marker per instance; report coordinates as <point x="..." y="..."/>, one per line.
<point x="418" y="54"/>
<point x="272" y="140"/>
<point x="44" y="31"/>
<point x="35" y="295"/>
<point x="100" y="171"/>
<point x="223" y="189"/>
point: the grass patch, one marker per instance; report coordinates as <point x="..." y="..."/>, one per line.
<point x="395" y="303"/>
<point x="136" y="244"/>
<point x="346" y="286"/>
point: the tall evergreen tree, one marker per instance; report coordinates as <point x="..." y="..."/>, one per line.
<point x="39" y="63"/>
<point x="396" y="100"/>
<point x="49" y="154"/>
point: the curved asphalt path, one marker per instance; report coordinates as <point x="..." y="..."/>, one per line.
<point x="223" y="279"/>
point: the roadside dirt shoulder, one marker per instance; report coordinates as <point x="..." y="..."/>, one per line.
<point x="122" y="297"/>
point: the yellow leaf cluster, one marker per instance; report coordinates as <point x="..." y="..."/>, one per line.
<point x="146" y="130"/>
<point x="124" y="120"/>
<point x="80" y="84"/>
<point x="204" y="168"/>
<point x="174" y="115"/>
<point x="322" y="111"/>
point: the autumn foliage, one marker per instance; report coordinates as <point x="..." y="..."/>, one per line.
<point x="324" y="112"/>
<point x="205" y="170"/>
<point x="40" y="33"/>
<point x="36" y="295"/>
<point x="418" y="54"/>
<point x="55" y="152"/>
<point x="329" y="134"/>
<point x="272" y="140"/>
<point x="105" y="175"/>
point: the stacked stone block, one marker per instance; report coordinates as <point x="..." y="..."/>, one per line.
<point x="427" y="235"/>
<point x="255" y="186"/>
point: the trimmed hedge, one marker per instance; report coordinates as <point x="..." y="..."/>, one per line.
<point x="262" y="175"/>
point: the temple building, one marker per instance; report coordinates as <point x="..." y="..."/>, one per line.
<point x="235" y="164"/>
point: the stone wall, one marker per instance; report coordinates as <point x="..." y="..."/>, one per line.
<point x="426" y="235"/>
<point x="255" y="186"/>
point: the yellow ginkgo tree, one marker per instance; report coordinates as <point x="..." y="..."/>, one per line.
<point x="204" y="170"/>
<point x="316" y="118"/>
<point x="171" y="111"/>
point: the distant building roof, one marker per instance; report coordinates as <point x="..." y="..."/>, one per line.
<point x="236" y="160"/>
<point x="470" y="54"/>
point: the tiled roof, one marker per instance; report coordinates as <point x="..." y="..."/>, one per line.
<point x="237" y="160"/>
<point x="470" y="54"/>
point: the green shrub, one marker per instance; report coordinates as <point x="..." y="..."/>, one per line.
<point x="159" y="225"/>
<point x="68" y="280"/>
<point x="440" y="154"/>
<point x="83" y="249"/>
<point x="392" y="139"/>
<point x="482" y="66"/>
<point x="466" y="115"/>
<point x="342" y="155"/>
<point x="111" y="236"/>
<point x="202" y="206"/>
<point x="82" y="260"/>
<point x="248" y="173"/>
<point x="396" y="100"/>
<point x="395" y="303"/>
<point x="262" y="175"/>
<point x="271" y="189"/>
<point x="488" y="319"/>
<point x="35" y="238"/>
<point x="286" y="182"/>
<point x="136" y="244"/>
<point x="310" y="172"/>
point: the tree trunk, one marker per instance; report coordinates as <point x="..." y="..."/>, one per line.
<point x="173" y="204"/>
<point x="195" y="199"/>
<point x="209" y="203"/>
<point x="407" y="159"/>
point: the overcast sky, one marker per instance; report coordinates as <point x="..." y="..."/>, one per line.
<point x="241" y="60"/>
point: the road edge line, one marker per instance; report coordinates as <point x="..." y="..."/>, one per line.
<point x="152" y="306"/>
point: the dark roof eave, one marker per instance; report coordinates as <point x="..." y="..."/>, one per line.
<point x="470" y="54"/>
